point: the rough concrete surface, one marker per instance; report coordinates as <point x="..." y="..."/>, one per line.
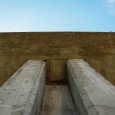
<point x="92" y="93"/>
<point x="22" y="93"/>
<point x="57" y="101"/>
<point x="97" y="48"/>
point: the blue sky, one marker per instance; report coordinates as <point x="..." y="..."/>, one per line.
<point x="57" y="15"/>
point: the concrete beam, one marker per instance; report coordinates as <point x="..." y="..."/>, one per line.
<point x="92" y="94"/>
<point x="22" y="93"/>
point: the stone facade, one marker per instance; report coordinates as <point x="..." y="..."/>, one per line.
<point x="97" y="48"/>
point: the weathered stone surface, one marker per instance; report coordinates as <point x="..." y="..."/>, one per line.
<point x="57" y="70"/>
<point x="92" y="93"/>
<point x="22" y="93"/>
<point x="97" y="48"/>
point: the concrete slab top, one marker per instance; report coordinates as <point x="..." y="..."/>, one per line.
<point x="15" y="92"/>
<point x="97" y="93"/>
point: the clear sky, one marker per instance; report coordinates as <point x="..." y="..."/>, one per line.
<point x="57" y="15"/>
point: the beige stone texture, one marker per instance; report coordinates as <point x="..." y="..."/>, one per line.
<point x="95" y="47"/>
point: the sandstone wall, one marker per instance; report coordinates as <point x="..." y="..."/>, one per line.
<point x="56" y="47"/>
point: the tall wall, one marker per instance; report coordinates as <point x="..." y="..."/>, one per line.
<point x="56" y="47"/>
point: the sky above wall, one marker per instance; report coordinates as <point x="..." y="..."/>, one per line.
<point x="57" y="15"/>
